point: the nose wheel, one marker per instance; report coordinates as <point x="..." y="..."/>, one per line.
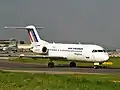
<point x="96" y="65"/>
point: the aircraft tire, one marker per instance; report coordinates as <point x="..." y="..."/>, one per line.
<point x="72" y="64"/>
<point x="51" y="64"/>
<point x="96" y="67"/>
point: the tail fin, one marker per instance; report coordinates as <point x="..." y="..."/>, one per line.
<point x="32" y="33"/>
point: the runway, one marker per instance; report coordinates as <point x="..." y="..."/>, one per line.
<point x="64" y="69"/>
<point x="58" y="69"/>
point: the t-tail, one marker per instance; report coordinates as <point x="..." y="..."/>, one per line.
<point x="32" y="33"/>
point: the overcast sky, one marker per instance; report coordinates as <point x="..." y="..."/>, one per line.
<point x="96" y="21"/>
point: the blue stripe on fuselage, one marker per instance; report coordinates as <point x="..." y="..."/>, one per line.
<point x="34" y="36"/>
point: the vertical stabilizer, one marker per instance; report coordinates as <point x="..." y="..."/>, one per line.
<point x="32" y="33"/>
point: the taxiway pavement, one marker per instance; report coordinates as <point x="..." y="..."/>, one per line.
<point x="6" y="65"/>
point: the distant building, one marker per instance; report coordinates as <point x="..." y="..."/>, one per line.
<point x="24" y="46"/>
<point x="11" y="41"/>
<point x="4" y="41"/>
<point x="118" y="50"/>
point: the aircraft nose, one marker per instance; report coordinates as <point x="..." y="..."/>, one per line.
<point x="106" y="57"/>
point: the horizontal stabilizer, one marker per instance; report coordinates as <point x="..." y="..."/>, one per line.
<point x="22" y="27"/>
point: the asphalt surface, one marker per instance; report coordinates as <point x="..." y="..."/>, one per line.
<point x="7" y="65"/>
<point x="38" y="67"/>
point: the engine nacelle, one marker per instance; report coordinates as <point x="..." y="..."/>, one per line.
<point x="41" y="49"/>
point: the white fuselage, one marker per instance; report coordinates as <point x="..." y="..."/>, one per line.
<point x="76" y="52"/>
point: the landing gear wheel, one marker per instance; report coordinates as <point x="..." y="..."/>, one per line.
<point x="72" y="64"/>
<point x="96" y="67"/>
<point x="51" y="64"/>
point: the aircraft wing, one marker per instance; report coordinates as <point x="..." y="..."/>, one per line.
<point x="42" y="56"/>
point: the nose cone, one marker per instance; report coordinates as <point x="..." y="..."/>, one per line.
<point x="106" y="57"/>
<point x="101" y="57"/>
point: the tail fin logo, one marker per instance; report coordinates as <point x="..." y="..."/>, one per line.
<point x="32" y="36"/>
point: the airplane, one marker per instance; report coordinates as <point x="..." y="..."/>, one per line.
<point x="9" y="49"/>
<point x="68" y="52"/>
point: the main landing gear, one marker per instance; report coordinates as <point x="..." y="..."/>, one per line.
<point x="72" y="64"/>
<point x="51" y="64"/>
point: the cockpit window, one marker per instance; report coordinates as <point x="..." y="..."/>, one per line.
<point x="98" y="51"/>
<point x="104" y="51"/>
<point x="94" y="51"/>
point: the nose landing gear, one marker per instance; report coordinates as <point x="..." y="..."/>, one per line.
<point x="96" y="65"/>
